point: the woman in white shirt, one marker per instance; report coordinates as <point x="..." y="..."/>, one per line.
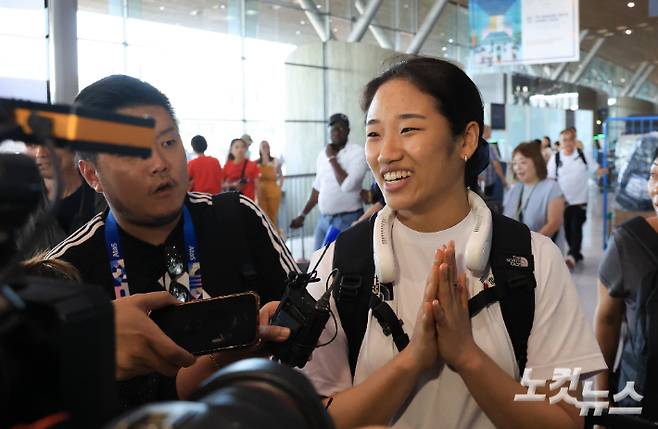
<point x="534" y="199"/>
<point x="424" y="142"/>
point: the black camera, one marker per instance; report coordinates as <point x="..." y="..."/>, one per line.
<point x="304" y="316"/>
<point x="56" y="337"/>
<point x="250" y="394"/>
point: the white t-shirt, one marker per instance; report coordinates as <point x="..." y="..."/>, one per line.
<point x="572" y="176"/>
<point x="561" y="337"/>
<point x="346" y="197"/>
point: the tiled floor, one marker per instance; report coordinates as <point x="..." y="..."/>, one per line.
<point x="585" y="274"/>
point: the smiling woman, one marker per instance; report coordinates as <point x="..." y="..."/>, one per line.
<point x="440" y="367"/>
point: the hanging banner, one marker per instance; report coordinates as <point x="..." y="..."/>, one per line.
<point x="507" y="32"/>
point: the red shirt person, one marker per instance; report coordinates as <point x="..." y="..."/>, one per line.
<point x="205" y="171"/>
<point x="240" y="173"/>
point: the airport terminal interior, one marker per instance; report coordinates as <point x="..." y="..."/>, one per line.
<point x="328" y="213"/>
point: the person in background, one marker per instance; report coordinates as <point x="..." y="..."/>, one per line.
<point x="270" y="182"/>
<point x="205" y="171"/>
<point x="534" y="200"/>
<point x="340" y="169"/>
<point x="240" y="173"/>
<point x="546" y="148"/>
<point x="246" y="138"/>
<point x="377" y="201"/>
<point x="494" y="171"/>
<point x="571" y="167"/>
<point x="628" y="268"/>
<point x="78" y="202"/>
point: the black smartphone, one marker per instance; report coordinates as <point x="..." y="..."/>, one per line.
<point x="206" y="326"/>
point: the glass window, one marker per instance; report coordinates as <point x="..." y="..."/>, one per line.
<point x="99" y="26"/>
<point x="23" y="45"/>
<point x="97" y="60"/>
<point x="26" y="18"/>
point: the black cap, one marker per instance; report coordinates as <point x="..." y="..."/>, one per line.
<point x="339" y="117"/>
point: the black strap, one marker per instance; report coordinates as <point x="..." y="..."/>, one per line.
<point x="513" y="266"/>
<point x="227" y="206"/>
<point x="558" y="164"/>
<point x="353" y="258"/>
<point x="244" y="167"/>
<point x="389" y="321"/>
<point x="581" y="155"/>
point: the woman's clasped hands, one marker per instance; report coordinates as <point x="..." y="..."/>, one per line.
<point x="443" y="326"/>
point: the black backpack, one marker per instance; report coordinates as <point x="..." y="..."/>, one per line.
<point x="639" y="362"/>
<point x="558" y="162"/>
<point x="513" y="269"/>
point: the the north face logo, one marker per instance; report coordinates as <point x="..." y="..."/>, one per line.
<point x="517" y="261"/>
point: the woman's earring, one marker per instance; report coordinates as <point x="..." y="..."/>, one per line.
<point x="465" y="158"/>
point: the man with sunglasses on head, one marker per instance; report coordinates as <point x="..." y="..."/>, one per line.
<point x="157" y="245"/>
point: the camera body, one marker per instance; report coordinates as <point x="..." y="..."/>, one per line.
<point x="57" y="353"/>
<point x="304" y="316"/>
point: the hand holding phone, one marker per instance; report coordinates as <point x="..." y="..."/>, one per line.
<point x="141" y="347"/>
<point x="206" y="326"/>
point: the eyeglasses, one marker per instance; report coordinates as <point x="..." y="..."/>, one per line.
<point x="174" y="264"/>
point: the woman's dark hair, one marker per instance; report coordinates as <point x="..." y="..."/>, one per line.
<point x="230" y="156"/>
<point x="117" y="92"/>
<point x="199" y="144"/>
<point x="260" y="153"/>
<point x="40" y="266"/>
<point x="457" y="98"/>
<point x="533" y="151"/>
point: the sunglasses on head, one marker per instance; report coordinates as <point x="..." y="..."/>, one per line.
<point x="175" y="268"/>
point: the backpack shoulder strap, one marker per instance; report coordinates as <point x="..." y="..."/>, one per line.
<point x="227" y="207"/>
<point x="581" y="155"/>
<point x="512" y="264"/>
<point x="353" y="258"/>
<point x="557" y="164"/>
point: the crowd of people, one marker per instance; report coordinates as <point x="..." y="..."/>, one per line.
<point x="426" y="249"/>
<point x="260" y="180"/>
<point x="551" y="190"/>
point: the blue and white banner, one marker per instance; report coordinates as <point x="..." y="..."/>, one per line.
<point x="506" y="32"/>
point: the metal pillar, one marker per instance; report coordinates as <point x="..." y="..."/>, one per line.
<point x="316" y="20"/>
<point x="633" y="79"/>
<point x="362" y="24"/>
<point x="641" y="80"/>
<point x="562" y="67"/>
<point x="377" y="32"/>
<point x="588" y="59"/>
<point x="426" y="28"/>
<point x="63" y="35"/>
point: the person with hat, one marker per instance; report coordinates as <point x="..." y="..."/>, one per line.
<point x="340" y="169"/>
<point x="405" y="349"/>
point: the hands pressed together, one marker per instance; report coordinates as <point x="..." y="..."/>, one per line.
<point x="443" y="325"/>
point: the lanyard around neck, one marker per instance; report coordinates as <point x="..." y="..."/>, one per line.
<point x="118" y="266"/>
<point x="521" y="206"/>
